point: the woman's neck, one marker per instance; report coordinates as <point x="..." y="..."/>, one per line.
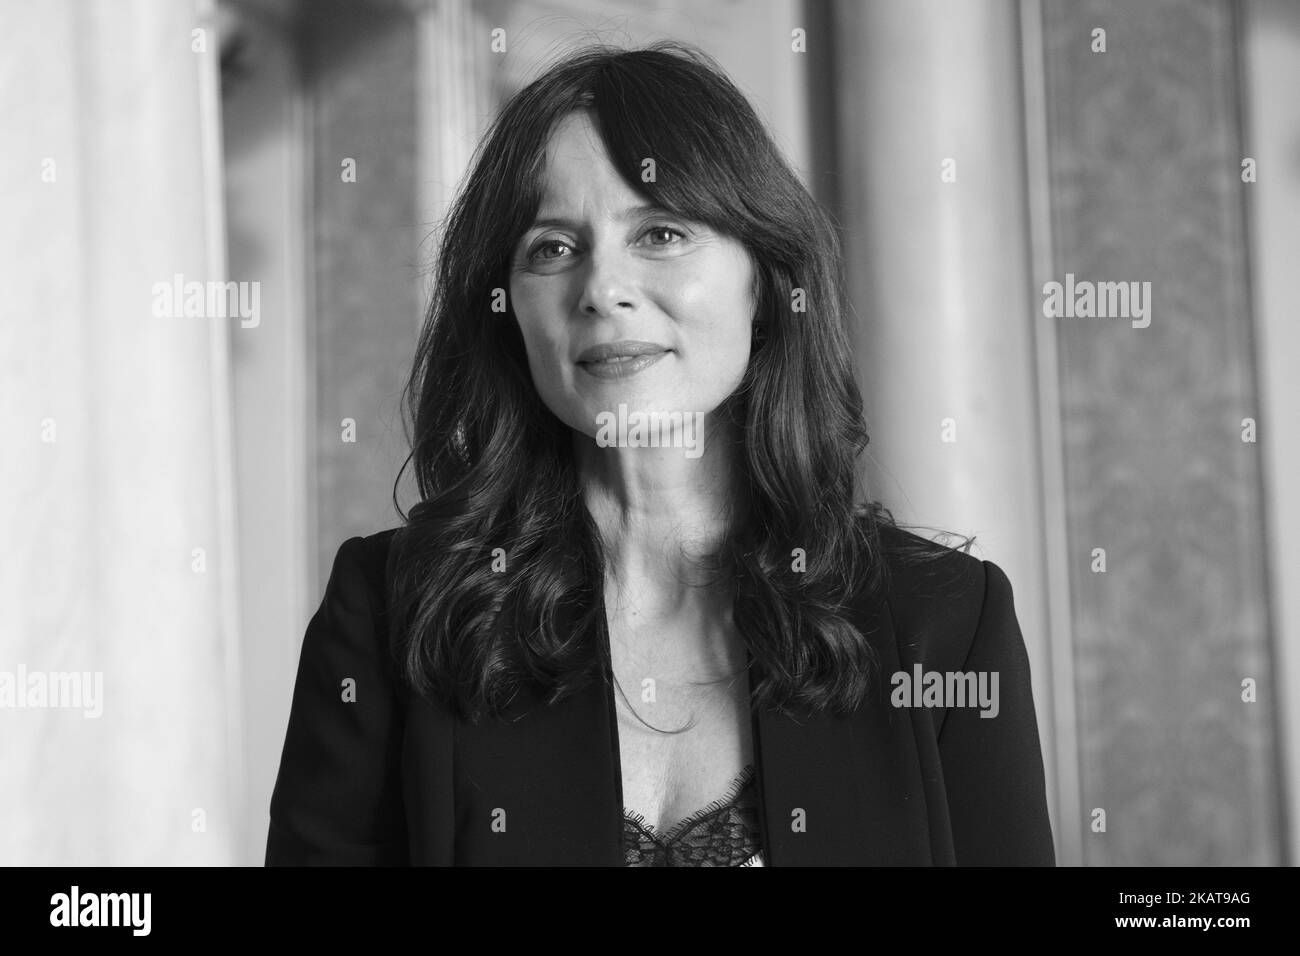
<point x="659" y="513"/>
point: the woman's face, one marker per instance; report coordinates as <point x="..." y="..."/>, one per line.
<point x="601" y="268"/>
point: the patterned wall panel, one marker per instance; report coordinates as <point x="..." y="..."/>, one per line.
<point x="362" y="69"/>
<point x="1145" y="183"/>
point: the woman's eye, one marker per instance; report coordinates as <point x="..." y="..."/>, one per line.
<point x="655" y="232"/>
<point x="553" y="246"/>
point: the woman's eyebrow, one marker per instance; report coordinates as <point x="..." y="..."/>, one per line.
<point x="631" y="212"/>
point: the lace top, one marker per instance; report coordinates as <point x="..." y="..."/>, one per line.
<point x="725" y="833"/>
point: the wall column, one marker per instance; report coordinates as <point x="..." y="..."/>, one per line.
<point x="933" y="206"/>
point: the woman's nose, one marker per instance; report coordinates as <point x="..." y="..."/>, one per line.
<point x="609" y="284"/>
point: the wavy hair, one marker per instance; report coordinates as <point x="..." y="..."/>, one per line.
<point x="495" y="467"/>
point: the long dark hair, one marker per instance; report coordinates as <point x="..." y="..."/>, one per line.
<point x="495" y="468"/>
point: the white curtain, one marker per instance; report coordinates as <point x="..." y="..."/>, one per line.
<point x="115" y="474"/>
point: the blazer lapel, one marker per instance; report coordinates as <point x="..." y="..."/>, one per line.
<point x="846" y="790"/>
<point x="542" y="785"/>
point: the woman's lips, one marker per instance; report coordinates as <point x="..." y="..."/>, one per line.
<point x="622" y="366"/>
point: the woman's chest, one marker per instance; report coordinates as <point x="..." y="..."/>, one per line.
<point x="684" y="727"/>
<point x="542" y="784"/>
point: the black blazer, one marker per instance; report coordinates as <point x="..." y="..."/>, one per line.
<point x="392" y="778"/>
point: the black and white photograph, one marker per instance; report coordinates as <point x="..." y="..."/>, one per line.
<point x="596" y="433"/>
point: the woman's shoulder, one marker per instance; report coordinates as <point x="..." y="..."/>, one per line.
<point x="358" y="577"/>
<point x="371" y="550"/>
<point x="919" y="566"/>
<point x="939" y="595"/>
<point x="368" y="552"/>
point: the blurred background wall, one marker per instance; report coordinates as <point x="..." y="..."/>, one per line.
<point x="971" y="151"/>
<point x="117" y="489"/>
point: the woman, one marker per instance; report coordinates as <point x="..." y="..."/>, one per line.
<point x="641" y="615"/>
